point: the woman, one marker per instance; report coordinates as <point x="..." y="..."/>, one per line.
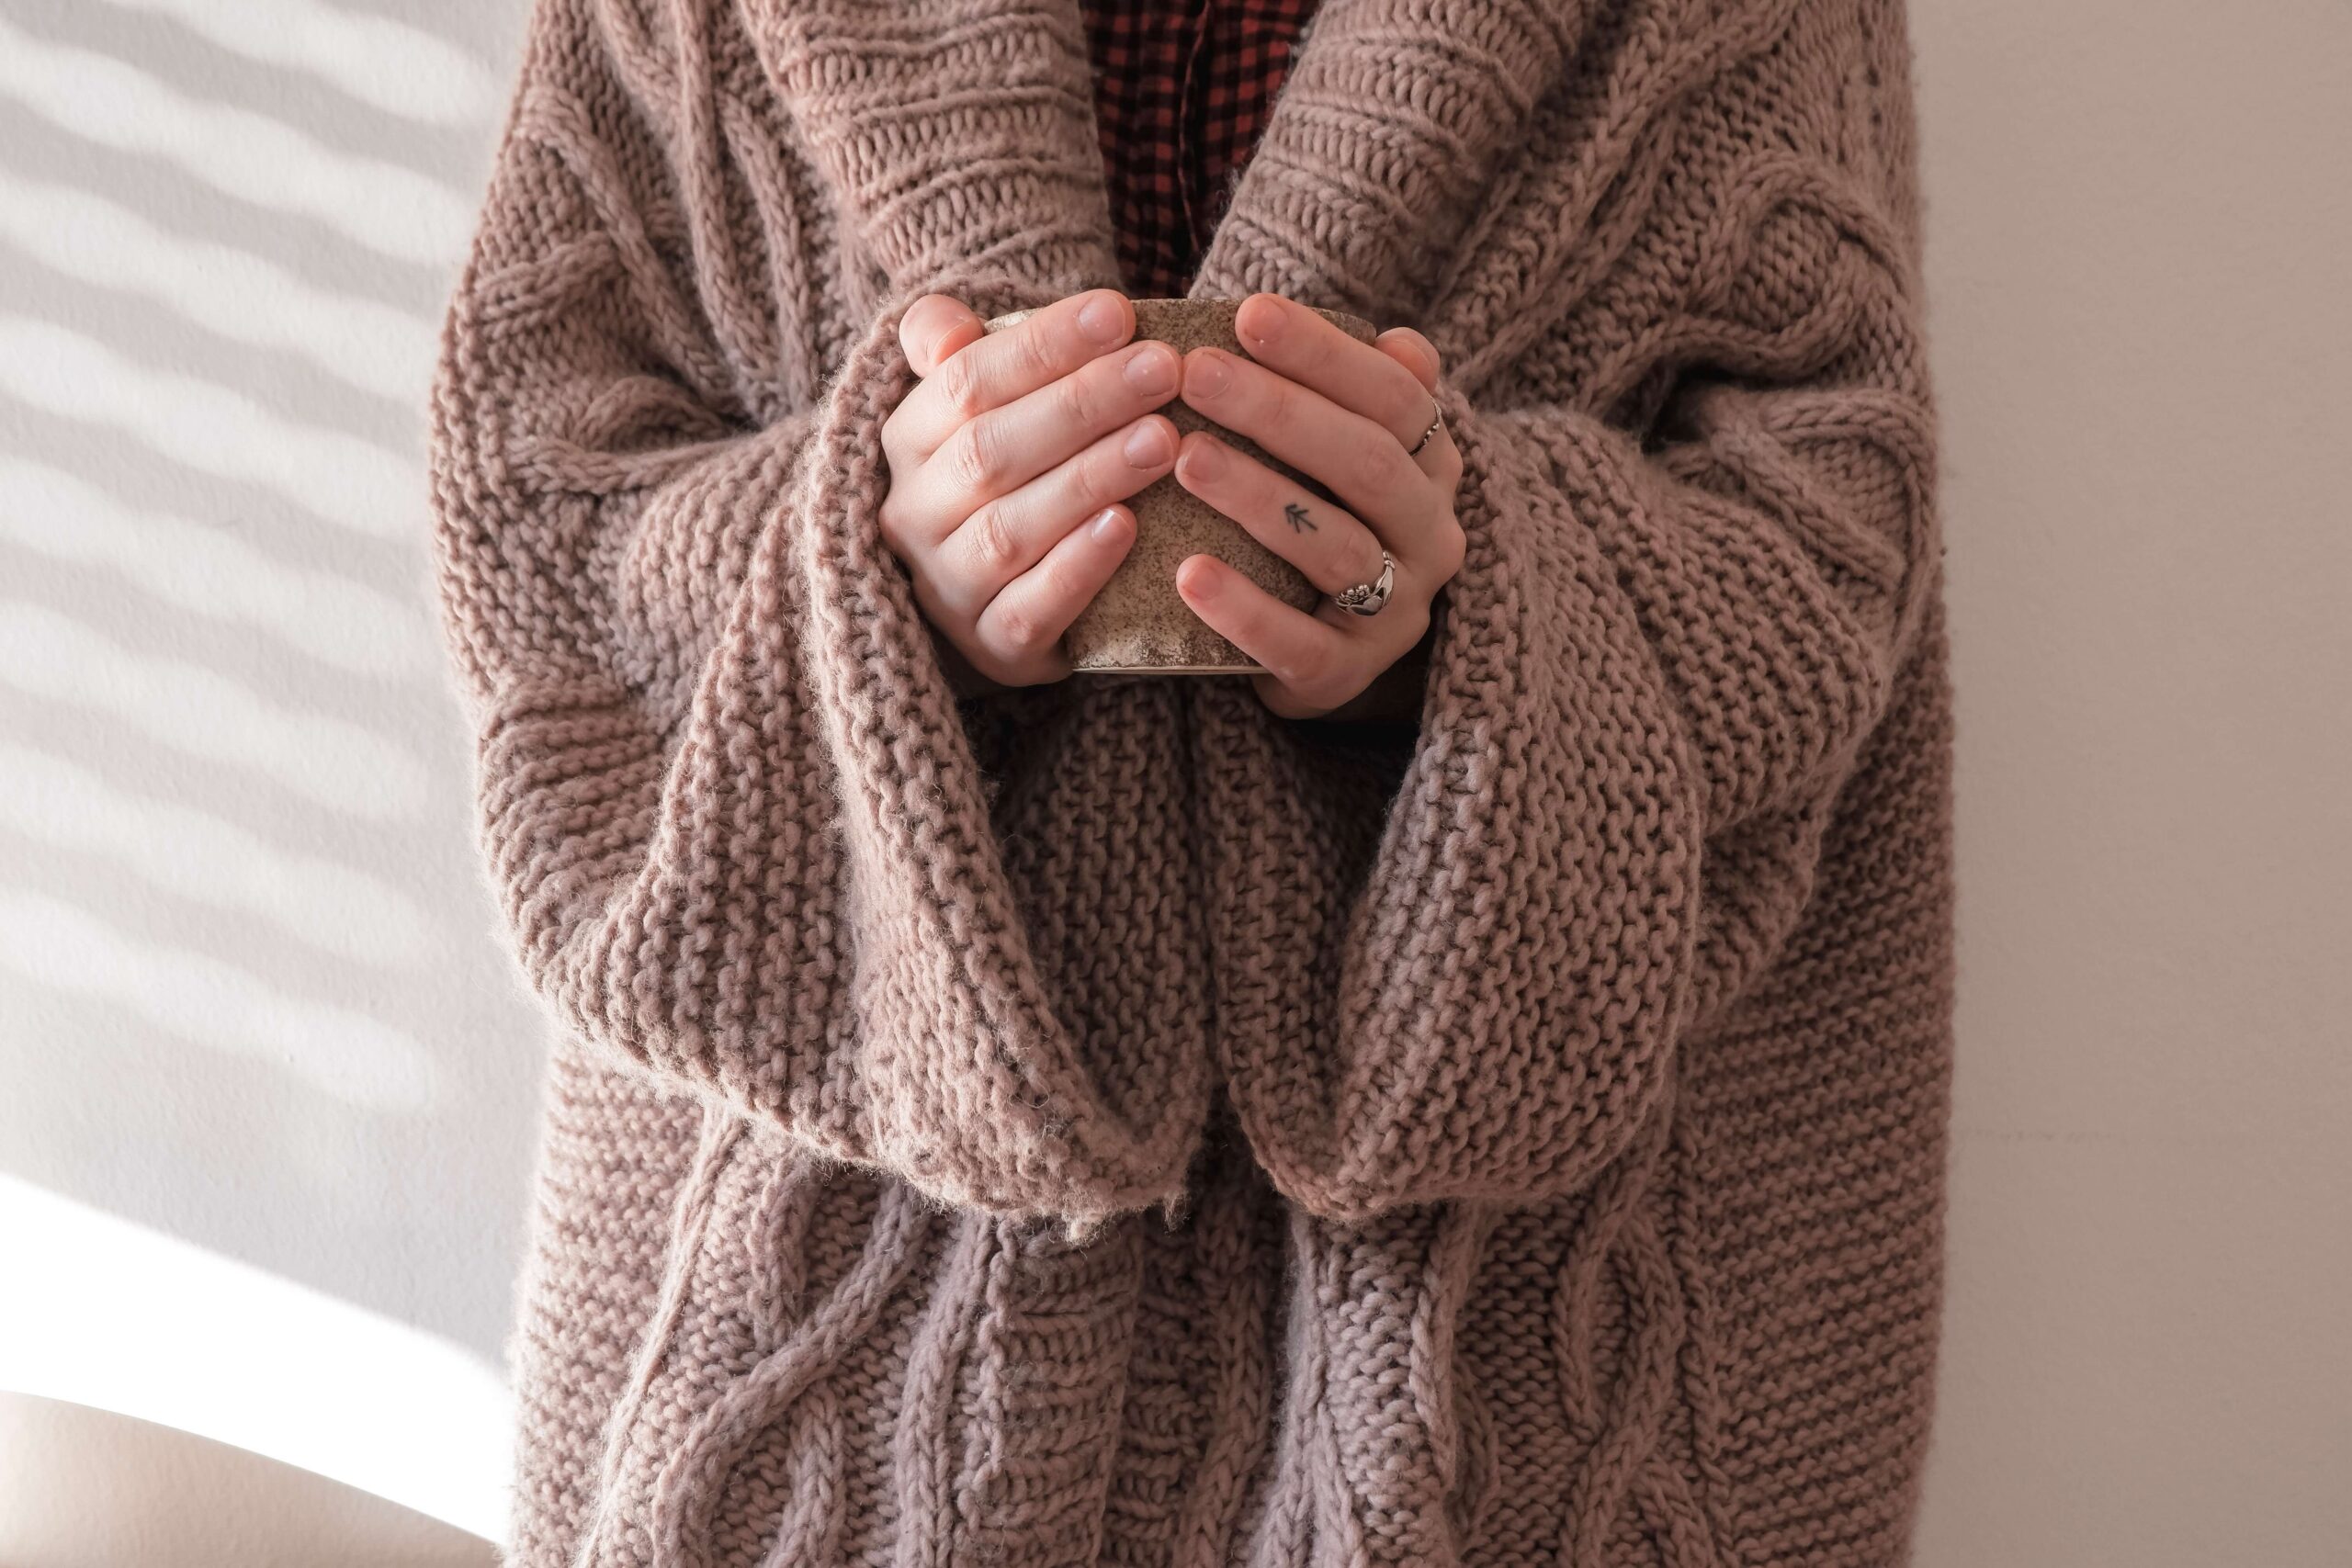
<point x="1005" y="1119"/>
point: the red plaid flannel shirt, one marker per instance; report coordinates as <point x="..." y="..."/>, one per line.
<point x="1181" y="91"/>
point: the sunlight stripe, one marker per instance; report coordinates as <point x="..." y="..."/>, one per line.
<point x="197" y="857"/>
<point x="392" y="210"/>
<point x="380" y="60"/>
<point x="339" y="1050"/>
<point x="328" y="760"/>
<point x="212" y="428"/>
<point x="205" y="571"/>
<point x="230" y="292"/>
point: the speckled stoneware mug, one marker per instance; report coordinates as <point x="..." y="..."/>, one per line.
<point x="1139" y="624"/>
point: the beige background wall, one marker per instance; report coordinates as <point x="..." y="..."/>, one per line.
<point x="266" y="1073"/>
<point x="2141" y="214"/>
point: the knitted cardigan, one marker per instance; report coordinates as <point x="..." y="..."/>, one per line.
<point x="1110" y="1123"/>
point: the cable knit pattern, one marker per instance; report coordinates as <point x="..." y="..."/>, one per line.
<point x="1108" y="1124"/>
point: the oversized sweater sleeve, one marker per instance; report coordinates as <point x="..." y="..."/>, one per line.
<point x="1692" y="583"/>
<point x="718" y="783"/>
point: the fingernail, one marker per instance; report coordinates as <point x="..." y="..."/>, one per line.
<point x="1101" y="319"/>
<point x="1105" y="527"/>
<point x="1203" y="460"/>
<point x="1268" y="320"/>
<point x="1205" y="373"/>
<point x="1146" y="445"/>
<point x="1151" y="371"/>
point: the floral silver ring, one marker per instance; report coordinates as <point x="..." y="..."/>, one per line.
<point x="1369" y="598"/>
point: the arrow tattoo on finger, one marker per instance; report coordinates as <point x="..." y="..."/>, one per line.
<point x="1296" y="516"/>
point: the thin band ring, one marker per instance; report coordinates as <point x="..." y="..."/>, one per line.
<point x="1437" y="417"/>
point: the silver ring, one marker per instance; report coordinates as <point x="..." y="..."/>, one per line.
<point x="1369" y="598"/>
<point x="1437" y="417"/>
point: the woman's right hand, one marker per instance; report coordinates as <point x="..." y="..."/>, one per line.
<point x="1008" y="464"/>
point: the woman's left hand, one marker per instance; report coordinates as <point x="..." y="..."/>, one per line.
<point x="1344" y="413"/>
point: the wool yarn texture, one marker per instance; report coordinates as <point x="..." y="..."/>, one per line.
<point x="1107" y="1122"/>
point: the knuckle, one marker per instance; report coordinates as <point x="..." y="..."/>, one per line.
<point x="1018" y="632"/>
<point x="972" y="456"/>
<point x="962" y="383"/>
<point x="1278" y="405"/>
<point x="1058" y="592"/>
<point x="990" y="539"/>
<point x="1080" y="405"/>
<point x="1091" y="480"/>
<point x="1035" y="353"/>
<point x="1376" y="455"/>
<point x="1308" y="671"/>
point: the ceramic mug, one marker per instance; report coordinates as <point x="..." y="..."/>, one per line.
<point x="1139" y="624"/>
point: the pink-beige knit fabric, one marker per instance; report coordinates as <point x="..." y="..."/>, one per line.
<point x="1108" y="1124"/>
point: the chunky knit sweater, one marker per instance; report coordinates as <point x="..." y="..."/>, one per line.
<point x="1110" y="1123"/>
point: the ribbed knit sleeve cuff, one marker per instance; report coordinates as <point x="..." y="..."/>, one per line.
<point x="980" y="1071"/>
<point x="1482" y="1006"/>
<point x="743" y="838"/>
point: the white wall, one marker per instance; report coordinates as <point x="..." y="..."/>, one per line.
<point x="270" y="1089"/>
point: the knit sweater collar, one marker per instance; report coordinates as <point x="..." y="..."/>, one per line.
<point x="1397" y="177"/>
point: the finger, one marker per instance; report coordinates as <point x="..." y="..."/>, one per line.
<point x="930" y="330"/>
<point x="1321" y="538"/>
<point x="1291" y="340"/>
<point x="1433" y="448"/>
<point x="1024" y="623"/>
<point x="1414" y="352"/>
<point x="1315" y="664"/>
<point x="1009" y="536"/>
<point x="1358" y="460"/>
<point x="1008" y="447"/>
<point x="995" y="368"/>
<point x="934" y="327"/>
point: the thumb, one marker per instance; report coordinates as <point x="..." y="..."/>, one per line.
<point x="934" y="328"/>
